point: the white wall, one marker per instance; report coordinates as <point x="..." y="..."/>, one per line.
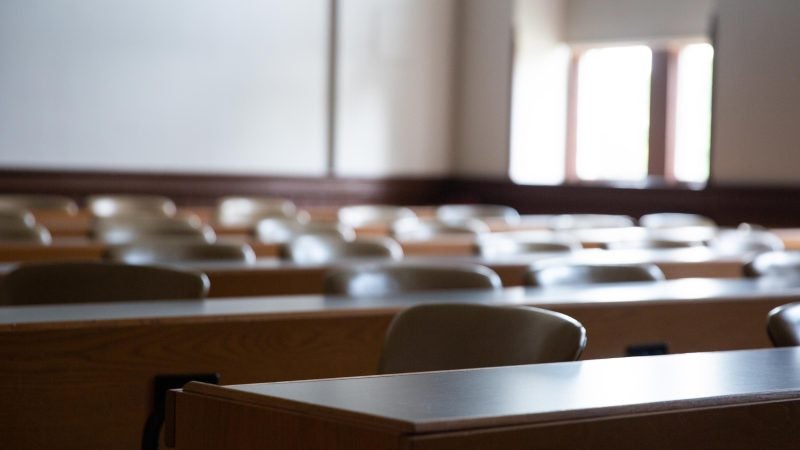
<point x="484" y="88"/>
<point x="180" y="85"/>
<point x="395" y="68"/>
<point x="756" y="134"/>
<point x="637" y="20"/>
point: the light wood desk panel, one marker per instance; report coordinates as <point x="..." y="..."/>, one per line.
<point x="725" y="400"/>
<point x="80" y="376"/>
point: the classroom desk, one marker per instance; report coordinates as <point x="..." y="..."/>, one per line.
<point x="80" y="376"/>
<point x="709" y="401"/>
<point x="270" y="276"/>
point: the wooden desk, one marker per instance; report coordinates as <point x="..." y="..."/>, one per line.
<point x="80" y="376"/>
<point x="706" y="401"/>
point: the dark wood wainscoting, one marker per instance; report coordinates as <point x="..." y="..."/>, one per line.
<point x="728" y="205"/>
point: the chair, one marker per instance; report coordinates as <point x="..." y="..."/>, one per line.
<point x="774" y="264"/>
<point x="783" y="325"/>
<point x="89" y="282"/>
<point x="674" y="220"/>
<point x="388" y="279"/>
<point x="462" y="336"/>
<point x="239" y="210"/>
<point x="55" y="203"/>
<point x="426" y="229"/>
<point x="35" y="234"/>
<point x="564" y="222"/>
<point x="652" y="244"/>
<point x="16" y="218"/>
<point x="365" y="215"/>
<point x="115" y="205"/>
<point x="314" y="249"/>
<point x="459" y="213"/>
<point x="282" y="230"/>
<point x="746" y="239"/>
<point x="499" y="245"/>
<point x="124" y="230"/>
<point x="172" y="252"/>
<point x="566" y="275"/>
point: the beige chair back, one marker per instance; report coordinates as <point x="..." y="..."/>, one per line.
<point x="35" y="234"/>
<point x="125" y="230"/>
<point x="115" y="205"/>
<point x="746" y="240"/>
<point x="674" y="220"/>
<point x="13" y="218"/>
<point x="425" y="229"/>
<point x="652" y="244"/>
<point x="462" y="336"/>
<point x="173" y="252"/>
<point x="246" y="211"/>
<point x="365" y="215"/>
<point x="774" y="264"/>
<point x="89" y="282"/>
<point x="565" y="222"/>
<point x="315" y="249"/>
<point x="500" y="245"/>
<point x="783" y="325"/>
<point x="567" y="275"/>
<point x="55" y="203"/>
<point x="282" y="230"/>
<point x="460" y="213"/>
<point x="376" y="280"/>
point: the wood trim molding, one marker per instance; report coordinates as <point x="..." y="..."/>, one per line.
<point x="728" y="205"/>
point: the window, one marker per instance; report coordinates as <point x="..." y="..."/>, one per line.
<point x="634" y="113"/>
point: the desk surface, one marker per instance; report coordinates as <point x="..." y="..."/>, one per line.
<point x="684" y="290"/>
<point x="505" y="396"/>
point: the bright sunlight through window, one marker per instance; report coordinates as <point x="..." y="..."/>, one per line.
<point x="693" y="115"/>
<point x="613" y="120"/>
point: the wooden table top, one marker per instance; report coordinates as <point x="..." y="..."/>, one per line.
<point x="543" y="393"/>
<point x="670" y="291"/>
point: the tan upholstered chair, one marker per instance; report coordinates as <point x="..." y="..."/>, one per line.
<point x="673" y="220"/>
<point x="88" y="282"/>
<point x="35" y="234"/>
<point x="746" y="240"/>
<point x="16" y="218"/>
<point x="652" y="244"/>
<point x="587" y="221"/>
<point x="774" y="264"/>
<point x="567" y="275"/>
<point x="460" y="213"/>
<point x="462" y="336"/>
<point x="115" y="205"/>
<point x="422" y="229"/>
<point x="246" y="211"/>
<point x="124" y="230"/>
<point x="364" y="215"/>
<point x="783" y="325"/>
<point x="316" y="249"/>
<point x="500" y="245"/>
<point x="282" y="230"/>
<point x="55" y="203"/>
<point x="172" y="252"/>
<point x="383" y="279"/>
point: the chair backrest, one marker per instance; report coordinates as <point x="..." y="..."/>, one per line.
<point x="113" y="205"/>
<point x="172" y="251"/>
<point x="783" y="325"/>
<point x="242" y="210"/>
<point x="672" y="220"/>
<point x="39" y="202"/>
<point x="35" y="234"/>
<point x="586" y="221"/>
<point x="746" y="240"/>
<point x="315" y="249"/>
<point x="282" y="230"/>
<point x="421" y="229"/>
<point x="88" y="282"/>
<point x="124" y="230"/>
<point x="774" y="264"/>
<point x="13" y="218"/>
<point x="648" y="244"/>
<point x="459" y="213"/>
<point x="363" y="215"/>
<point x="462" y="336"/>
<point x="499" y="245"/>
<point x="576" y="274"/>
<point x="377" y="280"/>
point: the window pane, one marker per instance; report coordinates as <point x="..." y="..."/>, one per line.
<point x="613" y="113"/>
<point x="693" y="112"/>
